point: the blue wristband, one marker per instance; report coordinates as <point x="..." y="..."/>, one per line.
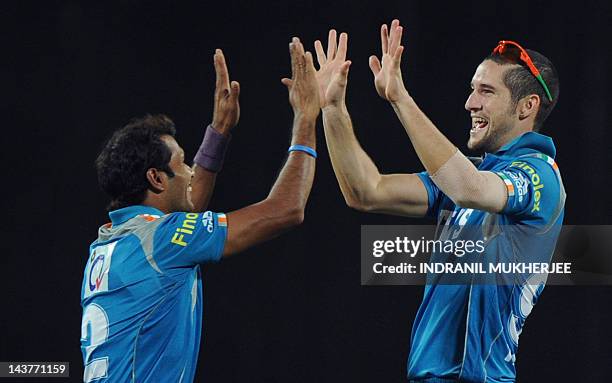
<point x="302" y="148"/>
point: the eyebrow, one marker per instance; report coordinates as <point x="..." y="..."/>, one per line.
<point x="484" y="85"/>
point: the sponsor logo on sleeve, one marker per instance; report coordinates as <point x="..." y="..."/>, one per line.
<point x="208" y="221"/>
<point x="183" y="233"/>
<point x="535" y="181"/>
<point x="521" y="183"/>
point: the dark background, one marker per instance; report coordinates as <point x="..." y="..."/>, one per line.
<point x="291" y="310"/>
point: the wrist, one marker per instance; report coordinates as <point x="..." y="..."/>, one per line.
<point x="306" y="117"/>
<point x="401" y="101"/>
<point x="334" y="108"/>
<point x="212" y="151"/>
<point x="222" y="128"/>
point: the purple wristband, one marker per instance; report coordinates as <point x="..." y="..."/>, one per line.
<point x="212" y="151"/>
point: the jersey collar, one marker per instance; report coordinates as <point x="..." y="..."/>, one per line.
<point x="120" y="216"/>
<point x="528" y="142"/>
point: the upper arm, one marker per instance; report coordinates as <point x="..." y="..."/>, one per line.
<point x="399" y="194"/>
<point x="185" y="239"/>
<point x="533" y="189"/>
<point x="257" y="223"/>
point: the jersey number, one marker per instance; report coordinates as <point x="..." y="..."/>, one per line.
<point x="94" y="330"/>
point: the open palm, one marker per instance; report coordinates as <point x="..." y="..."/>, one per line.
<point x="331" y="86"/>
<point x="388" y="75"/>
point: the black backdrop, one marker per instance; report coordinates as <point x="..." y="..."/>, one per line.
<point x="291" y="310"/>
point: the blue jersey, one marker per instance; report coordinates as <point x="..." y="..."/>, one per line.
<point x="470" y="331"/>
<point x="142" y="294"/>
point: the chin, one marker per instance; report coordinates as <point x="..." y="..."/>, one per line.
<point x="474" y="145"/>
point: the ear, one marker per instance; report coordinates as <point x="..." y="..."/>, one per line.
<point x="157" y="180"/>
<point x="528" y="106"/>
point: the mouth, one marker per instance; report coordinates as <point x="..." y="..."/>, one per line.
<point x="479" y="124"/>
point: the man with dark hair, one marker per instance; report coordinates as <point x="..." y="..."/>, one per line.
<point x="142" y="287"/>
<point x="463" y="332"/>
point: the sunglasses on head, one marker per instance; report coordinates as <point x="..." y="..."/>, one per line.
<point x="517" y="53"/>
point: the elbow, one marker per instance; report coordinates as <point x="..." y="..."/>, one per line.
<point x="467" y="200"/>
<point x="294" y="217"/>
<point x="359" y="202"/>
<point x="356" y="204"/>
<point x="287" y="216"/>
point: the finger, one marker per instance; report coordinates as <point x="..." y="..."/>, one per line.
<point x="293" y="55"/>
<point x="384" y="39"/>
<point x="321" y="59"/>
<point x="309" y="63"/>
<point x="374" y="65"/>
<point x="394" y="38"/>
<point x="299" y="59"/>
<point x="220" y="69"/>
<point x="397" y="56"/>
<point x="287" y="82"/>
<point x="331" y="44"/>
<point x="397" y="39"/>
<point x="342" y="47"/>
<point x="234" y="91"/>
<point x="299" y="45"/>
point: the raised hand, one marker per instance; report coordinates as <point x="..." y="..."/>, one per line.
<point x="332" y="87"/>
<point x="388" y="76"/>
<point x="226" y="112"/>
<point x="303" y="87"/>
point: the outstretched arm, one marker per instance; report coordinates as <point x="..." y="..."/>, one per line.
<point x="452" y="172"/>
<point x="284" y="206"/>
<point x="362" y="185"/>
<point x="226" y="113"/>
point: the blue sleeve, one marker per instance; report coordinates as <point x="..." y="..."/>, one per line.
<point x="186" y="239"/>
<point x="434" y="196"/>
<point x="533" y="189"/>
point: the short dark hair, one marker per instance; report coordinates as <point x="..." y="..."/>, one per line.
<point x="522" y="83"/>
<point x="131" y="151"/>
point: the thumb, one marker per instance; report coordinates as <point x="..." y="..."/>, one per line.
<point x="344" y="68"/>
<point x="374" y="65"/>
<point x="287" y="82"/>
<point x="341" y="74"/>
<point x="234" y="90"/>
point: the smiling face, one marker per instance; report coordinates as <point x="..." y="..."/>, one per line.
<point x="178" y="191"/>
<point x="494" y="118"/>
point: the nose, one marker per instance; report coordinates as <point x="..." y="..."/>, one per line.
<point x="473" y="103"/>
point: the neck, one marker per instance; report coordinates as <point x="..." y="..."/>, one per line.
<point x="153" y="200"/>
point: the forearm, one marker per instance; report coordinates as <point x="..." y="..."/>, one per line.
<point x="292" y="187"/>
<point x="356" y="173"/>
<point x="202" y="185"/>
<point x="285" y="204"/>
<point x="450" y="170"/>
<point x="208" y="161"/>
<point x="431" y="146"/>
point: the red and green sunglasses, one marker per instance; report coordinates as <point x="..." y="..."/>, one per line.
<point x="518" y="53"/>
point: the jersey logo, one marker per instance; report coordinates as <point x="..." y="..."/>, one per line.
<point x="97" y="270"/>
<point x="535" y="181"/>
<point x="149" y="217"/>
<point x="186" y="229"/>
<point x="521" y="183"/>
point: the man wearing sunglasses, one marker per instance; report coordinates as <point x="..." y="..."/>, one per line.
<point x="464" y="332"/>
